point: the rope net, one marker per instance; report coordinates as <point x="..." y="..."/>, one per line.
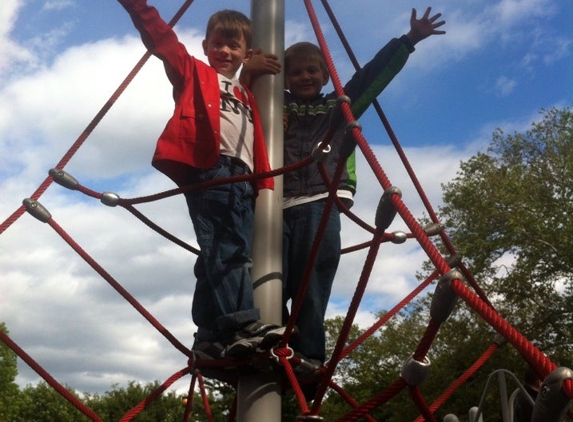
<point x="453" y="280"/>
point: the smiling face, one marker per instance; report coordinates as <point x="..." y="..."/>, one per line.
<point x="226" y="53"/>
<point x="305" y="70"/>
<point x="227" y="43"/>
<point x="305" y="78"/>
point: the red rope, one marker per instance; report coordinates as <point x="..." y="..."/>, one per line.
<point x="461" y="380"/>
<point x="532" y="355"/>
<point x="342" y="393"/>
<point x="374" y="402"/>
<point x="48" y="378"/>
<point x="353" y="309"/>
<point x="479" y="304"/>
<point x="382" y="321"/>
<point x="119" y="288"/>
<point x="153" y="396"/>
<point x="420" y="403"/>
<point x="92" y="125"/>
<point x="297" y="302"/>
<point x="190" y="397"/>
<point x="205" y="399"/>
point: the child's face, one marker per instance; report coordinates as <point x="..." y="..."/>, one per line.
<point x="226" y="54"/>
<point x="305" y="77"/>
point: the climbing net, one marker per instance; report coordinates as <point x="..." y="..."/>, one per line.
<point x="453" y="281"/>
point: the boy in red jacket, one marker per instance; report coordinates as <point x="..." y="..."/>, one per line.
<point x="215" y="132"/>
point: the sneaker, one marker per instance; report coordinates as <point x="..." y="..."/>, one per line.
<point x="308" y="368"/>
<point x="308" y="374"/>
<point x="252" y="337"/>
<point x="205" y="349"/>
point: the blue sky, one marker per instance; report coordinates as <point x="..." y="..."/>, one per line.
<point x="499" y="64"/>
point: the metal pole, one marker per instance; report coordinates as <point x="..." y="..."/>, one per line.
<point x="503" y="394"/>
<point x="258" y="395"/>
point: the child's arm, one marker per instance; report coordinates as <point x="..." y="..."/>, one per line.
<point x="424" y="27"/>
<point x="259" y="64"/>
<point x="159" y="38"/>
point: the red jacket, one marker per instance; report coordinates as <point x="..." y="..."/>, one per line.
<point x="192" y="136"/>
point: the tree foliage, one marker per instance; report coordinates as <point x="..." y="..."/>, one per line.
<point x="509" y="212"/>
<point x="8" y="388"/>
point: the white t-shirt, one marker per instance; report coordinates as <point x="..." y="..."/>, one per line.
<point x="237" y="137"/>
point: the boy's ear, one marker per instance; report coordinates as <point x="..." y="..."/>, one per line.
<point x="248" y="55"/>
<point x="204" y="44"/>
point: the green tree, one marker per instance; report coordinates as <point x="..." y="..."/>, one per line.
<point x="509" y="212"/>
<point x="9" y="390"/>
<point x="113" y="405"/>
<point x="41" y="403"/>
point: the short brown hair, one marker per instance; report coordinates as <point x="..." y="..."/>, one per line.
<point x="305" y="50"/>
<point x="230" y="23"/>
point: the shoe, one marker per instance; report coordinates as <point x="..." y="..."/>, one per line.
<point x="307" y="369"/>
<point x="205" y="349"/>
<point x="252" y="337"/>
<point x="308" y="374"/>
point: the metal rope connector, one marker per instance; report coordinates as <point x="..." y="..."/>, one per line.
<point x="454" y="260"/>
<point x="319" y="153"/>
<point x="349" y="143"/>
<point x="415" y="372"/>
<point x="337" y="117"/>
<point x="551" y="402"/>
<point x="110" y="199"/>
<point x="433" y="229"/>
<point x="63" y="178"/>
<point x="37" y="210"/>
<point x="399" y="237"/>
<point x="276" y="357"/>
<point x="445" y="298"/>
<point x="386" y="212"/>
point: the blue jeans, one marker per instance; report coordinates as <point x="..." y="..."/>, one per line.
<point x="223" y="221"/>
<point x="300" y="225"/>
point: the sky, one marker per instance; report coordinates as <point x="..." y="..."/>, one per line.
<point x="500" y="63"/>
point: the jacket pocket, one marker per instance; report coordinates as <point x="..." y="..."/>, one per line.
<point x="188" y="123"/>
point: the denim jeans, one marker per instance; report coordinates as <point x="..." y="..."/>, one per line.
<point x="223" y="221"/>
<point x="300" y="225"/>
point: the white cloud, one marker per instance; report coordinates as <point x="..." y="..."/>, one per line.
<point x="59" y="309"/>
<point x="58" y="4"/>
<point x="505" y="86"/>
<point x="11" y="52"/>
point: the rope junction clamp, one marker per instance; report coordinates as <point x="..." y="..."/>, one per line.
<point x="551" y="402"/>
<point x="319" y="153"/>
<point x="37" y="210"/>
<point x="63" y="178"/>
<point x="454" y="260"/>
<point x="277" y="357"/>
<point x="433" y="229"/>
<point x="399" y="237"/>
<point x="500" y="340"/>
<point x="445" y="298"/>
<point x="110" y="199"/>
<point x="386" y="211"/>
<point x="349" y="143"/>
<point x="415" y="372"/>
<point x="336" y="117"/>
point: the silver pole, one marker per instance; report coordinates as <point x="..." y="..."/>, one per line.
<point x="258" y="395"/>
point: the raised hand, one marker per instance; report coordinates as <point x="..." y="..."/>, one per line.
<point x="424" y="27"/>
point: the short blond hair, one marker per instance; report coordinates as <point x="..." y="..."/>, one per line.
<point x="230" y="23"/>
